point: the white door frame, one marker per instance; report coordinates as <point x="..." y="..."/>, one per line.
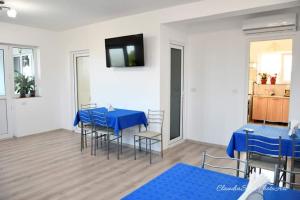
<point x="180" y="47"/>
<point x="74" y="55"/>
<point x="265" y="37"/>
<point x="9" y="90"/>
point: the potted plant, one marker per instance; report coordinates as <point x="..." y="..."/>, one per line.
<point x="273" y="79"/>
<point x="23" y="84"/>
<point x="263" y="77"/>
<point x="32" y="87"/>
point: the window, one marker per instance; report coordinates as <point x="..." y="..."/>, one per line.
<point x="287" y="67"/>
<point x="24" y="70"/>
<point x="279" y="63"/>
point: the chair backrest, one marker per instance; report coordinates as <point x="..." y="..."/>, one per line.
<point x="156" y="117"/>
<point x="292" y="182"/>
<point x="98" y="118"/>
<point x="88" y="106"/>
<point x="205" y="163"/>
<point x="263" y="146"/>
<point x="296" y="149"/>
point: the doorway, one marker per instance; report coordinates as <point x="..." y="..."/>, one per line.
<point x="270" y="68"/>
<point x="176" y="98"/>
<point x="82" y="88"/>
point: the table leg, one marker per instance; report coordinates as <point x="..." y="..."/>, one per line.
<point x="150" y="151"/>
<point x="108" y="141"/>
<point x="238" y="163"/>
<point x="146" y="145"/>
<point x="118" y="148"/>
<point x="121" y="132"/>
<point x="134" y="147"/>
<point x="81" y="146"/>
<point x="288" y="175"/>
<point x="92" y="143"/>
<point x="140" y="148"/>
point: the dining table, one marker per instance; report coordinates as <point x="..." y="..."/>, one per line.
<point x="237" y="141"/>
<point x="187" y="182"/>
<point x="117" y="119"/>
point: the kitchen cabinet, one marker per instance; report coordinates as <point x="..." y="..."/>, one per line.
<point x="259" y="110"/>
<point x="285" y="110"/>
<point x="271" y="109"/>
<point x="274" y="110"/>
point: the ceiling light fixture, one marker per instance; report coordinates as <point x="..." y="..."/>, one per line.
<point x="10" y="11"/>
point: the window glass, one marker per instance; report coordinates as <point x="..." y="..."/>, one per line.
<point x="23" y="60"/>
<point x="287" y="67"/>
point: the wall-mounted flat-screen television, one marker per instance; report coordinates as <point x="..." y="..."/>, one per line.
<point x="126" y="51"/>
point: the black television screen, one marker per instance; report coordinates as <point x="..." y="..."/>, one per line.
<point x="126" y="51"/>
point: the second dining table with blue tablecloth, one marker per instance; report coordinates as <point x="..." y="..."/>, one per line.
<point x="238" y="138"/>
<point x="118" y="119"/>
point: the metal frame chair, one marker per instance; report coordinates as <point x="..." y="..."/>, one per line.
<point x="295" y="159"/>
<point x="86" y="128"/>
<point x="292" y="183"/>
<point x="155" y="117"/>
<point x="204" y="163"/>
<point x="101" y="131"/>
<point x="260" y="153"/>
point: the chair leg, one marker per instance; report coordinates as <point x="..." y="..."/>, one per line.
<point x="121" y="141"/>
<point x="238" y="164"/>
<point x="118" y="147"/>
<point x="97" y="142"/>
<point x="140" y="148"/>
<point x="85" y="140"/>
<point x="259" y="170"/>
<point x="92" y="142"/>
<point x="101" y="141"/>
<point x="150" y="151"/>
<point x="81" y="145"/>
<point x="134" y="147"/>
<point x="146" y="146"/>
<point x="95" y="145"/>
<point x="161" y="147"/>
<point x="108" y="140"/>
<point x="81" y="131"/>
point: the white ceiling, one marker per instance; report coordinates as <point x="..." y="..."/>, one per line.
<point x="65" y="14"/>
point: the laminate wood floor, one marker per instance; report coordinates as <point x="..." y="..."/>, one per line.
<point x="50" y="166"/>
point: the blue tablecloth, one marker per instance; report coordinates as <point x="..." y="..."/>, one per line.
<point x="238" y="139"/>
<point x="118" y="119"/>
<point x="185" y="182"/>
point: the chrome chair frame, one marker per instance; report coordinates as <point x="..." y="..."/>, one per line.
<point x="292" y="173"/>
<point x="295" y="157"/>
<point x="86" y="128"/>
<point x="204" y="163"/>
<point x="262" y="145"/>
<point x="103" y="132"/>
<point x="153" y="137"/>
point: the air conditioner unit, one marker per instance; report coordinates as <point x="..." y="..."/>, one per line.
<point x="274" y="23"/>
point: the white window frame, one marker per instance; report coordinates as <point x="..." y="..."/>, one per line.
<point x="36" y="65"/>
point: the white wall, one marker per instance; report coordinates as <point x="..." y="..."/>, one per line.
<point x="131" y="88"/>
<point x="35" y="115"/>
<point x="218" y="79"/>
<point x="217" y="88"/>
